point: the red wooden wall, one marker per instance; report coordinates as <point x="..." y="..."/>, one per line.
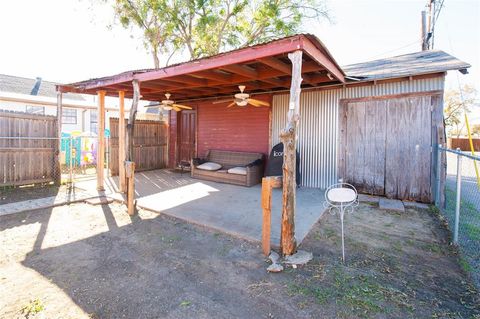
<point x="233" y="129"/>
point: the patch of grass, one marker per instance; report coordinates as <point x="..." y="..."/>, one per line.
<point x="359" y="295"/>
<point x="372" y="204"/>
<point x="319" y="294"/>
<point x="397" y="246"/>
<point x="329" y="233"/>
<point x="224" y="250"/>
<point x="433" y="248"/>
<point x="465" y="265"/>
<point x="432" y="209"/>
<point x="411" y="242"/>
<point x="32" y="308"/>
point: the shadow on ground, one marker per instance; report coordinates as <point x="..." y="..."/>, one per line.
<point x="99" y="263"/>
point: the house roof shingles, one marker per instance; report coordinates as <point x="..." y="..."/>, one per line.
<point x="423" y="62"/>
<point x="21" y="85"/>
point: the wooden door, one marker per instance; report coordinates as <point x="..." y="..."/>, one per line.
<point x="386" y="146"/>
<point x="186" y="136"/>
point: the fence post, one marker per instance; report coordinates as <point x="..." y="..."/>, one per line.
<point x="437" y="177"/>
<point x="71" y="161"/>
<point x="457" y="200"/>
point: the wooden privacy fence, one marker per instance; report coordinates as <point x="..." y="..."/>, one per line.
<point x="28" y="147"/>
<point x="149" y="145"/>
<point x="464" y="144"/>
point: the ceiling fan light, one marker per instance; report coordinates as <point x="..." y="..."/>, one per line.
<point x="167" y="107"/>
<point x="242" y="103"/>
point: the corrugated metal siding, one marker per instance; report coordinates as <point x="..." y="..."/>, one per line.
<point x="318" y="126"/>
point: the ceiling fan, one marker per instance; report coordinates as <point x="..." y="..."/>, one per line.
<point x="168" y="105"/>
<point x="243" y="99"/>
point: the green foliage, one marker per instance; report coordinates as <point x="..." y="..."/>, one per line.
<point x="34" y="307"/>
<point x="151" y="17"/>
<point x="457" y="103"/>
<point x="207" y="27"/>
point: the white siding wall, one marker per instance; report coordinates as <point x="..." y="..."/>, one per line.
<point x="318" y="127"/>
<point x="83" y="116"/>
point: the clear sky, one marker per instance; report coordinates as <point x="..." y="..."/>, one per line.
<point x="69" y="40"/>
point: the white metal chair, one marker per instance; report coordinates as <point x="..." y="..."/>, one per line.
<point x="341" y="197"/>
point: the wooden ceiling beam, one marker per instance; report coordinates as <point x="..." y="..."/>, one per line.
<point x="285" y="68"/>
<point x="241" y="70"/>
<point x="277" y="64"/>
<point x="311" y="66"/>
<point x="215" y="76"/>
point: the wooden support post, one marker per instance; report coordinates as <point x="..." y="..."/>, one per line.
<point x="268" y="183"/>
<point x="288" y="137"/>
<point x="267" y="215"/>
<point x="58" y="167"/>
<point x="130" y="174"/>
<point x="101" y="140"/>
<point x="121" y="142"/>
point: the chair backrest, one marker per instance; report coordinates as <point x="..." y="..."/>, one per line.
<point x="231" y="158"/>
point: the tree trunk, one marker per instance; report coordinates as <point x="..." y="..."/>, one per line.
<point x="288" y="136"/>
<point x="131" y="120"/>
<point x="156" y="60"/>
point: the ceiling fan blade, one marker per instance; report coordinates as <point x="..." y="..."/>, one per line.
<point x="175" y="108"/>
<point x="222" y="101"/>
<point x="232" y="104"/>
<point x="153" y="105"/>
<point x="256" y="102"/>
<point x="182" y="106"/>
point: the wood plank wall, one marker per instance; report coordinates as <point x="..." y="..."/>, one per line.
<point x="386" y="145"/>
<point x="27" y="161"/>
<point x="149" y="145"/>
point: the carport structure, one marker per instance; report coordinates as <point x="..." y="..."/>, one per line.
<point x="292" y="63"/>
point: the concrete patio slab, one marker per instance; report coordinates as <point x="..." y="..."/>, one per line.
<point x="62" y="198"/>
<point x="368" y="198"/>
<point x="391" y="204"/>
<point x="231" y="209"/>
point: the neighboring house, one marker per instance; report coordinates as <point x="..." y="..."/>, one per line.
<point x="83" y="120"/>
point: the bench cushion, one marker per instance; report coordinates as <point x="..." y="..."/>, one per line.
<point x="209" y="166"/>
<point x="239" y="170"/>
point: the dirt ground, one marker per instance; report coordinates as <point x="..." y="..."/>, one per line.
<point x="17" y="194"/>
<point x="83" y="261"/>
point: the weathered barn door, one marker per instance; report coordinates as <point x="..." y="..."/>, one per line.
<point x="186" y="136"/>
<point x="386" y="146"/>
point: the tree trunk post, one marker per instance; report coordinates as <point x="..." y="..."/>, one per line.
<point x="101" y="140"/>
<point x="131" y="120"/>
<point x="288" y="137"/>
<point x="129" y="163"/>
<point x="121" y="143"/>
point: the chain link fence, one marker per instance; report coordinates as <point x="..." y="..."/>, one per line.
<point x="462" y="207"/>
<point x="33" y="161"/>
